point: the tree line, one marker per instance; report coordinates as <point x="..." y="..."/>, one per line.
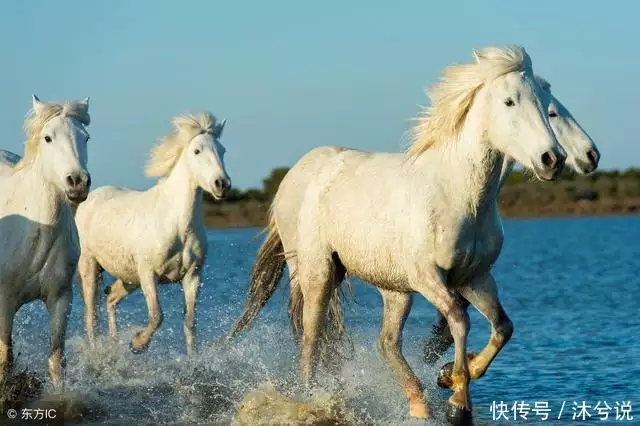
<point x="607" y="183"/>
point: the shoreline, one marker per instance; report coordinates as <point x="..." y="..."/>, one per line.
<point x="253" y="214"/>
<point x="601" y="194"/>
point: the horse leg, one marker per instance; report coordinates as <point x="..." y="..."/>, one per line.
<point x="483" y="295"/>
<point x="441" y="338"/>
<point x="190" y="286"/>
<point x="315" y="279"/>
<point x="396" y="308"/>
<point x="90" y="275"/>
<point x="431" y="284"/>
<point x="59" y="308"/>
<point x="328" y="354"/>
<point x="6" y="349"/>
<point x="115" y="293"/>
<point x="148" y="284"/>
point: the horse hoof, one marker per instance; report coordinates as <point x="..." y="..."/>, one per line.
<point x="419" y="411"/>
<point x="139" y="350"/>
<point x="444" y="377"/>
<point x="459" y="416"/>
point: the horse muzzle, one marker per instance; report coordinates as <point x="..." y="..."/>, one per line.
<point x="551" y="165"/>
<point x="589" y="166"/>
<point x="77" y="196"/>
<point x="78" y="185"/>
<point x="221" y="187"/>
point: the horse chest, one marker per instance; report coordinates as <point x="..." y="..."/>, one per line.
<point x="472" y="252"/>
<point x="45" y="264"/>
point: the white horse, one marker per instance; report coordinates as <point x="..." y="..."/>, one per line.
<point x="146" y="238"/>
<point x="39" y="238"/>
<point x="582" y="156"/>
<point x="421" y="223"/>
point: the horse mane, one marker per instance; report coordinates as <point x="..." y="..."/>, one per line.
<point x="544" y="84"/>
<point x="452" y="96"/>
<point x="165" y="154"/>
<point x="34" y="123"/>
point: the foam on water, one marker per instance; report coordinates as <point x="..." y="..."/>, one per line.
<point x="573" y="305"/>
<point x="163" y="386"/>
<point x="165" y="389"/>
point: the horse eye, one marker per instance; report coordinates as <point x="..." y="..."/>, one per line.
<point x="47" y="139"/>
<point x="196" y="152"/>
<point x="553" y="114"/>
<point x="509" y="102"/>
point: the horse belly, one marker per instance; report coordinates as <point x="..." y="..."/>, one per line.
<point x="121" y="267"/>
<point x="376" y="268"/>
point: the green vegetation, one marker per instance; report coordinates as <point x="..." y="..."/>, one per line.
<point x="604" y="192"/>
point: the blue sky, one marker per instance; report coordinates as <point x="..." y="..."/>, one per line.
<point x="291" y="75"/>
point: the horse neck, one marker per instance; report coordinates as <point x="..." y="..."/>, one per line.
<point x="184" y="196"/>
<point x="44" y="202"/>
<point x="468" y="168"/>
<point x="507" y="168"/>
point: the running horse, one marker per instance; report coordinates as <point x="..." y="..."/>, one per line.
<point x="422" y="222"/>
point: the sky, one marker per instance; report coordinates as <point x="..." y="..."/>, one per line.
<point x="289" y="75"/>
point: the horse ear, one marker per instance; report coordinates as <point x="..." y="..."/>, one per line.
<point x="85" y="103"/>
<point x="220" y="127"/>
<point x="36" y="104"/>
<point x="476" y="55"/>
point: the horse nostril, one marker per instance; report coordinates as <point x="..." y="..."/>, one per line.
<point x="593" y="157"/>
<point x="76" y="180"/>
<point x="549" y="159"/>
<point x="218" y="184"/>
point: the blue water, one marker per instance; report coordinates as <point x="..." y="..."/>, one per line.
<point x="571" y="287"/>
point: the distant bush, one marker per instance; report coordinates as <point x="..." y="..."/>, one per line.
<point x="272" y="182"/>
<point x="521" y="188"/>
<point x="266" y="193"/>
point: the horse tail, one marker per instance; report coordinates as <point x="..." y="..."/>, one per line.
<point x="265" y="277"/>
<point x="296" y="303"/>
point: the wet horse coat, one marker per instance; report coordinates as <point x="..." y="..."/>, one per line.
<point x="417" y="223"/>
<point x="39" y="238"/>
<point x="146" y="238"/>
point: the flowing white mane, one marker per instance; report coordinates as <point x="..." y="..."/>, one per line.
<point x="452" y="96"/>
<point x="34" y="123"/>
<point x="165" y="155"/>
